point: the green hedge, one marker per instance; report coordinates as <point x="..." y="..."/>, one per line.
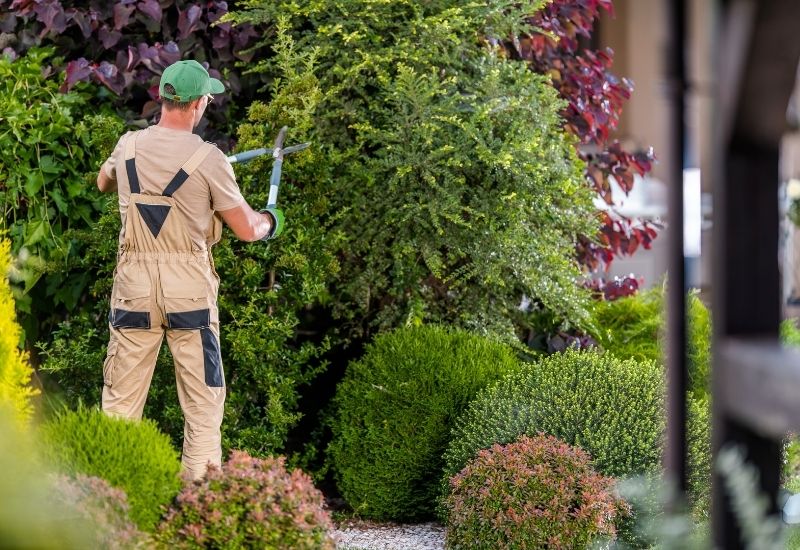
<point x="132" y="456"/>
<point x="633" y="327"/>
<point x="611" y="408"/>
<point x="395" y="408"/>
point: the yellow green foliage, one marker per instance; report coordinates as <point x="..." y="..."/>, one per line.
<point x="15" y="371"/>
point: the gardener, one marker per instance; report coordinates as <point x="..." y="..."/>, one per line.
<point x="173" y="188"/>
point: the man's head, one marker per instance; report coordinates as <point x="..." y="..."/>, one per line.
<point x="187" y="87"/>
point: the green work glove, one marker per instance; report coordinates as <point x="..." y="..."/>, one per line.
<point x="277" y="222"/>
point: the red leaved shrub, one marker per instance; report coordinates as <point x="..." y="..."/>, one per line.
<point x="248" y="503"/>
<point x="537" y="492"/>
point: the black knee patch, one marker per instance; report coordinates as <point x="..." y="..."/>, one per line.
<point x="212" y="359"/>
<point x="122" y="318"/>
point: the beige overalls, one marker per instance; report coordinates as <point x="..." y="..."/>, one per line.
<point x="165" y="284"/>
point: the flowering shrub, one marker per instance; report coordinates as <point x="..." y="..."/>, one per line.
<point x="104" y="507"/>
<point x="248" y="503"/>
<point x="15" y="372"/>
<point x="395" y="409"/>
<point x="538" y="492"/>
<point x="133" y="456"/>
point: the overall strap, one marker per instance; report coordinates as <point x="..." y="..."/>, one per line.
<point x="130" y="163"/>
<point x="188" y="167"/>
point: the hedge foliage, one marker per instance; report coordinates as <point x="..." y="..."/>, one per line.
<point x="444" y="168"/>
<point x="132" y="456"/>
<point x="612" y="408"/>
<point x="49" y="153"/>
<point x="537" y="492"/>
<point x="15" y="371"/>
<point x="634" y="327"/>
<point x="248" y="503"/>
<point x="395" y="408"/>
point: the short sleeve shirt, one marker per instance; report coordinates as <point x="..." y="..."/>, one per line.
<point x="160" y="153"/>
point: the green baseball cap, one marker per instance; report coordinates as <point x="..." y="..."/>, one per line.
<point x="189" y="80"/>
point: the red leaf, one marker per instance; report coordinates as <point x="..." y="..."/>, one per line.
<point x="188" y="21"/>
<point x="78" y="70"/>
<point x="109" y="38"/>
<point x="151" y="8"/>
<point x="122" y="15"/>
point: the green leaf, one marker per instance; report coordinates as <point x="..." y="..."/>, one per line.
<point x="33" y="183"/>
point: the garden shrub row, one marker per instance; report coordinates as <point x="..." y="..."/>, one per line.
<point x="425" y="401"/>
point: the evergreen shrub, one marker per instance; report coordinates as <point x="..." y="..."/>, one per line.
<point x="395" y="408"/>
<point x="611" y="408"/>
<point x="634" y="327"/>
<point x="248" y="503"/>
<point x="15" y="371"/>
<point x="103" y="508"/>
<point x="445" y="167"/>
<point x="132" y="456"/>
<point x="537" y="492"/>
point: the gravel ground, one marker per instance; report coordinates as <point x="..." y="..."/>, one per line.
<point x="360" y="535"/>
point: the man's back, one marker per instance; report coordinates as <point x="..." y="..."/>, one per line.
<point x="160" y="153"/>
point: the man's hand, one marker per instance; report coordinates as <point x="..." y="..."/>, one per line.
<point x="277" y="221"/>
<point x="104" y="183"/>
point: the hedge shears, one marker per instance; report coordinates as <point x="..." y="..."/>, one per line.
<point x="277" y="152"/>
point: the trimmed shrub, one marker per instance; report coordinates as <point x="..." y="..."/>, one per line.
<point x="104" y="508"/>
<point x="249" y="503"/>
<point x="132" y="456"/>
<point x="633" y="327"/>
<point x="15" y="372"/>
<point x="611" y="408"/>
<point x="538" y="492"/>
<point x="395" y="408"/>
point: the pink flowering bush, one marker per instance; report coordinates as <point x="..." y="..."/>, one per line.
<point x="104" y="508"/>
<point x="537" y="492"/>
<point x="248" y="503"/>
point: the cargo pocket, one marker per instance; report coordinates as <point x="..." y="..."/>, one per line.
<point x="186" y="304"/>
<point x="109" y="365"/>
<point x="130" y="306"/>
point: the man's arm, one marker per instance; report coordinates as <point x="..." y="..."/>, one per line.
<point x="246" y="223"/>
<point x="104" y="183"/>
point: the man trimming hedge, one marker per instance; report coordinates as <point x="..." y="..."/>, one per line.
<point x="174" y="191"/>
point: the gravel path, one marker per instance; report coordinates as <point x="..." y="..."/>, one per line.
<point x="359" y="535"/>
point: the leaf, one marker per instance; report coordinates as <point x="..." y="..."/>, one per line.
<point x="108" y="37"/>
<point x="110" y="76"/>
<point x="188" y="21"/>
<point x="53" y="17"/>
<point x="151" y="8"/>
<point x="33" y="183"/>
<point x="35" y="231"/>
<point x="122" y="15"/>
<point x="61" y="203"/>
<point x="78" y="70"/>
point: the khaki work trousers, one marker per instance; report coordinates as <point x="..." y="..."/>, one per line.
<point x="164" y="285"/>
